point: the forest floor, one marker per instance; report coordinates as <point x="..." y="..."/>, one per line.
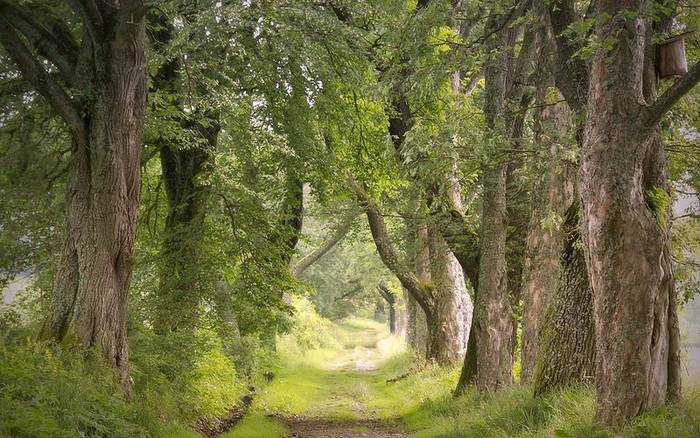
<point x="329" y="392"/>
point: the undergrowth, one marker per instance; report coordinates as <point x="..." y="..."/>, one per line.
<point x="343" y="371"/>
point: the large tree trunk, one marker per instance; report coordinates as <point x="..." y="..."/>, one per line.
<point x="494" y="326"/>
<point x="566" y="338"/>
<point x="551" y="194"/>
<point x="624" y="192"/>
<point x="182" y="278"/>
<point x="91" y="286"/>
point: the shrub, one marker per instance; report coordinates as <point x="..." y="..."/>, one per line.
<point x="310" y="329"/>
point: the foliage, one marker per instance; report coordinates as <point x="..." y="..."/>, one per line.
<point x="310" y="330"/>
<point x="658" y="200"/>
<point x="53" y="391"/>
<point x="296" y="91"/>
<point x="48" y="391"/>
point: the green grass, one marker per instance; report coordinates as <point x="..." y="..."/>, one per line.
<point x="51" y="392"/>
<point x="258" y="426"/>
<point x="323" y="383"/>
<point x="513" y="412"/>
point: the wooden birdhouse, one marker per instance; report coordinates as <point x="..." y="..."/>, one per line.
<point x="671" y="58"/>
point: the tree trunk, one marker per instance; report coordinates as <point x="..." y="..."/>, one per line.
<point x="469" y="368"/>
<point x="550" y="195"/>
<point x="417" y="330"/>
<point x="402" y="315"/>
<point x="91" y="286"/>
<point x="453" y="307"/>
<point x="331" y="241"/>
<point x="392" y="319"/>
<point x="419" y="324"/>
<point x="494" y="326"/>
<point x="422" y="293"/>
<point x="390" y="299"/>
<point x="566" y="339"/>
<point x="227" y="326"/>
<point x="625" y="206"/>
<point x="183" y="280"/>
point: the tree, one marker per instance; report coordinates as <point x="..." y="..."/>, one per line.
<point x="625" y="192"/>
<point x="184" y="157"/>
<point x="494" y="322"/>
<point x="439" y="341"/>
<point x="331" y="241"/>
<point x="390" y="299"/>
<point x="558" y="49"/>
<point x="566" y="340"/>
<point x="98" y="87"/>
<point x="552" y="192"/>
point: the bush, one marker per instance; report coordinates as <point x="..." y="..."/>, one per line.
<point x="311" y="330"/>
<point x="51" y="392"/>
<point x="214" y="388"/>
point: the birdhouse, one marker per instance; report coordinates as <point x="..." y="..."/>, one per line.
<point x="671" y="58"/>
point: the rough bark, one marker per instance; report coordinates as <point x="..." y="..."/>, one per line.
<point x="494" y="323"/>
<point x="551" y="194"/>
<point x="566" y="339"/>
<point x="453" y="307"/>
<point x="494" y="327"/>
<point x="89" y="297"/>
<point x="622" y="182"/>
<point x="418" y="338"/>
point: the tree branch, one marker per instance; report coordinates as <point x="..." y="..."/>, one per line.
<point x="91" y="17"/>
<point x="669" y="98"/>
<point x="387" y="253"/>
<point x="61" y="49"/>
<point x="33" y="72"/>
<point x="339" y="233"/>
<point x="570" y="72"/>
<point x="387" y="294"/>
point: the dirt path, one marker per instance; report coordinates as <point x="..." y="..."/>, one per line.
<point x="357" y="363"/>
<point x="320" y="428"/>
<point x="332" y="393"/>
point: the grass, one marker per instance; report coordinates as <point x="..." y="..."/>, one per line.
<point x="51" y="392"/>
<point x="514" y="412"/>
<point x="256" y="425"/>
<point x="324" y="383"/>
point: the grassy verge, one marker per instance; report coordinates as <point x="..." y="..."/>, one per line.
<point x="325" y="383"/>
